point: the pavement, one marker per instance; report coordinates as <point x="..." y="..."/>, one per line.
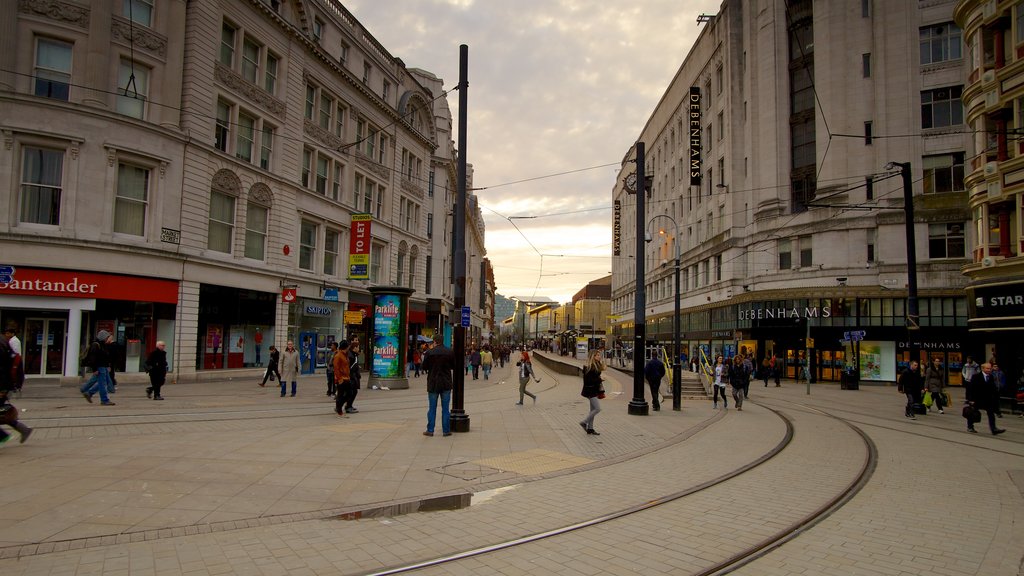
<point x="228" y="477"/>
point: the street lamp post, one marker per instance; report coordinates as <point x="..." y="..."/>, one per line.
<point x="677" y="375"/>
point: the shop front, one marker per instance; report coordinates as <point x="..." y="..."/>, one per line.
<point x="317" y="322"/>
<point x="56" y="314"/>
<point x="996" y="325"/>
<point x="236" y="327"/>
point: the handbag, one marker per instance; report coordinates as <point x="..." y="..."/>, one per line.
<point x="972" y="414"/>
<point x="927" y="400"/>
<point x="600" y="394"/>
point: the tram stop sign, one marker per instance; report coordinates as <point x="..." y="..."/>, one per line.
<point x="465" y="316"/>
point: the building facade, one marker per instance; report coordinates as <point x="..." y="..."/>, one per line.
<point x="220" y="175"/>
<point x="775" y="161"/>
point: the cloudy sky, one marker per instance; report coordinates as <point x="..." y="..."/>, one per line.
<point x="558" y="92"/>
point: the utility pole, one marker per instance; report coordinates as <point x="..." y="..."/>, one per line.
<point x="459" y="418"/>
<point x="913" y="315"/>
<point x="638" y="405"/>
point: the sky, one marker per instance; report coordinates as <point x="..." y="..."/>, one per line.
<point x="559" y="90"/>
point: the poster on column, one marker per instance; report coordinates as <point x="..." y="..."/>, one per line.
<point x="387" y="335"/>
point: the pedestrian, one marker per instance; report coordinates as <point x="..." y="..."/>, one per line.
<point x="332" y="349"/>
<point x="156" y="365"/>
<point x="777" y="371"/>
<point x="98" y="358"/>
<point x="721" y="380"/>
<point x="486" y="361"/>
<point x="525" y="373"/>
<point x="289" y="368"/>
<point x="355" y="375"/>
<point x="766" y="369"/>
<point x="342" y="378"/>
<point x="982" y="394"/>
<point x="18" y="367"/>
<point x="439" y="362"/>
<point x="935" y="384"/>
<point x="258" y="342"/>
<point x="272" y="365"/>
<point x="410" y="364"/>
<point x="8" y="413"/>
<point x="474" y="361"/>
<point x="969" y="369"/>
<point x="593" y="389"/>
<point x="911" y="384"/>
<point x="748" y="373"/>
<point x="1000" y="377"/>
<point x="739" y="377"/>
<point x="654" y="371"/>
<point x="417" y="360"/>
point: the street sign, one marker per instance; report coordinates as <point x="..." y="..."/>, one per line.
<point x="855" y="335"/>
<point x="465" y="316"/>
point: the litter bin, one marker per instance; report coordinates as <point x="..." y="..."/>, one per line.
<point x="848" y="380"/>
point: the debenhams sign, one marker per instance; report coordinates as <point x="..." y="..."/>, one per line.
<point x="694" y="130"/>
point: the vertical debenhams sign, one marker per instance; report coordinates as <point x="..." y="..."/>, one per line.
<point x="695" y="130"/>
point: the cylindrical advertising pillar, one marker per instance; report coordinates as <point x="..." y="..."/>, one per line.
<point x="390" y="337"/>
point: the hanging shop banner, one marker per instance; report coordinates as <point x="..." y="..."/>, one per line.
<point x="388" y="327"/>
<point x="359" y="247"/>
<point x="695" y="134"/>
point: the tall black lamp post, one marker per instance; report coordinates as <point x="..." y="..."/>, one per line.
<point x="677" y="375"/>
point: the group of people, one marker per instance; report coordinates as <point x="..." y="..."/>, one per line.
<point x="735" y="372"/>
<point x="981" y="385"/>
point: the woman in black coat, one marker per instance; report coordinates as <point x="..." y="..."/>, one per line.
<point x="156" y="365"/>
<point x="593" y="390"/>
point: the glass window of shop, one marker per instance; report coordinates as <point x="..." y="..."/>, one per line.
<point x="136" y="326"/>
<point x="723" y="318"/>
<point x="229" y="321"/>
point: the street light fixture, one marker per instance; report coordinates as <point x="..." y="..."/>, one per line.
<point x="677" y="376"/>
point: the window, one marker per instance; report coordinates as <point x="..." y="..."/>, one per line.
<point x="400" y="268"/>
<point x="310" y="101"/>
<point x="307" y="165"/>
<point x="331" y="243"/>
<point x="946" y="240"/>
<point x="801" y="89"/>
<point x="940" y="43"/>
<point x="339" y="177"/>
<point x="867" y="133"/>
<point x="376" y="256"/>
<point x="718" y="80"/>
<point x="339" y="120"/>
<point x="266" y="146"/>
<point x="222" y="222"/>
<point x="718" y="268"/>
<point x="343" y="57"/>
<point x="307" y="245"/>
<point x="318" y="29"/>
<point x="132" y="89"/>
<point x="1019" y="21"/>
<point x="430" y="184"/>
<point x="270" y="73"/>
<point x="430" y="269"/>
<point x="380" y="202"/>
<point x="227" y="44"/>
<point x="943" y="173"/>
<point x="806" y="256"/>
<point x="871" y="238"/>
<point x="941" y="107"/>
<point x="326" y="108"/>
<point x="255" y="231"/>
<point x="322" y="166"/>
<point x="785" y="255"/>
<point x="382" y="149"/>
<point x="132" y="200"/>
<point x="865" y="65"/>
<point x="803" y="144"/>
<point x="250" y="59"/>
<point x="721" y="125"/>
<point x="430" y="225"/>
<point x="41" y="175"/>
<point x="869" y="188"/>
<point x="246" y="137"/>
<point x="367" y="69"/>
<point x="412" y="270"/>
<point x="222" y="129"/>
<point x="865" y="8"/>
<point x="139" y="11"/>
<point x="386" y="90"/>
<point x="364" y="188"/>
<point x="53" y="69"/>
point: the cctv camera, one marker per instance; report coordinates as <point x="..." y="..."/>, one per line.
<point x="647" y="237"/>
<point x="840" y="279"/>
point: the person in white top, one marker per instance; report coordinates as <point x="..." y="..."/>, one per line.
<point x="969" y="370"/>
<point x="12" y="340"/>
<point x="721" y="381"/>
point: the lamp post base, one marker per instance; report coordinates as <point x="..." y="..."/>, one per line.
<point x="677" y="387"/>
<point x="638" y="408"/>
<point x="460" y="421"/>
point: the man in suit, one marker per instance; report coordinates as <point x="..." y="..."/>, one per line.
<point x="983" y="395"/>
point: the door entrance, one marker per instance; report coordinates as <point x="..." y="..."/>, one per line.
<point x="44" y="347"/>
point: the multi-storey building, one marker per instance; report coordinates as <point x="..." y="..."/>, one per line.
<point x="774" y="159"/>
<point x="994" y="100"/>
<point x="220" y="175"/>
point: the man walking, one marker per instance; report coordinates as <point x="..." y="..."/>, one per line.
<point x="156" y="365"/>
<point x="654" y="371"/>
<point x="98" y="358"/>
<point x="983" y="395"/>
<point x="439" y="363"/>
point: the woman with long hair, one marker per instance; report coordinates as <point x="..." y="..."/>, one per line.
<point x="592" y="389"/>
<point x="721" y="375"/>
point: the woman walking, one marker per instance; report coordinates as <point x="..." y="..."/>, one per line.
<point x="525" y="373"/>
<point x="593" y="390"/>
<point x="272" y="365"/>
<point x="289" y="368"/>
<point x="935" y="384"/>
<point x="721" y="375"/>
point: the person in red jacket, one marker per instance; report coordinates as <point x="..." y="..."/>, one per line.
<point x="342" y="378"/>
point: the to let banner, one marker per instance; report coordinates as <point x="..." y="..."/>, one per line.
<point x="359" y="247"/>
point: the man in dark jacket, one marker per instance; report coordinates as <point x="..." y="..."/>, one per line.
<point x="98" y="358"/>
<point x="910" y="384"/>
<point x="983" y="395"/>
<point x="6" y="386"/>
<point x="439" y="363"/>
<point x="654" y="371"/>
<point x="355" y="375"/>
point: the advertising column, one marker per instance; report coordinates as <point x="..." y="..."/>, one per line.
<point x="390" y="310"/>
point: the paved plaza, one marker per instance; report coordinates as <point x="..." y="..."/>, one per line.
<point x="226" y="477"/>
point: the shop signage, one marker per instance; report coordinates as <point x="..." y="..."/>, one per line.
<point x="388" y="329"/>
<point x="999" y="301"/>
<point x="695" y="134"/>
<point x="19" y="281"/>
<point x="359" y="247"/>
<point x="330" y="295"/>
<point x="617" y="228"/>
<point x="930" y="345"/>
<point x="289" y="294"/>
<point x="783" y="313"/>
<point x="354" y="316"/>
<point x="317" y="310"/>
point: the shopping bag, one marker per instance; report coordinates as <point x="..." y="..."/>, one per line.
<point x="927" y="400"/>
